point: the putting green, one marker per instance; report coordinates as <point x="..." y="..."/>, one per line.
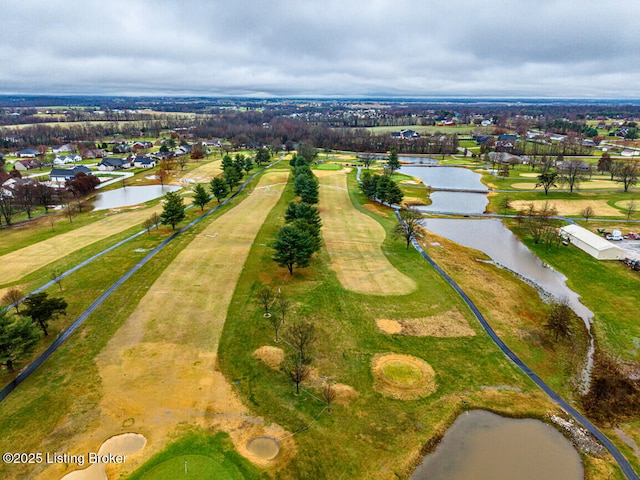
<point x="193" y="466"/>
<point x="354" y="242"/>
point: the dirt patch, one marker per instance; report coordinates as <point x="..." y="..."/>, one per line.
<point x="353" y="240"/>
<point x="403" y="377"/>
<point x="345" y="394"/>
<point x="447" y="325"/>
<point x="271" y="356"/>
<point x="377" y="209"/>
<point x="571" y="207"/>
<point x="389" y="326"/>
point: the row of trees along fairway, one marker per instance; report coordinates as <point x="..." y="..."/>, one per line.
<point x="20" y="332"/>
<point x="233" y="171"/>
<point x="299" y="239"/>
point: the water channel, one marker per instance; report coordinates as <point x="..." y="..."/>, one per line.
<point x="493" y="238"/>
<point x="127" y="196"/>
<point x="481" y="445"/>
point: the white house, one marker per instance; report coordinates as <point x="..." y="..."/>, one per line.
<point x="593" y="244"/>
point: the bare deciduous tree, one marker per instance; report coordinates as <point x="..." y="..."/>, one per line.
<point x="328" y="395"/>
<point x="298" y="372"/>
<point x="410" y="227"/>
<point x="13" y="297"/>
<point x="587" y="212"/>
<point x="301" y="336"/>
<point x="265" y="297"/>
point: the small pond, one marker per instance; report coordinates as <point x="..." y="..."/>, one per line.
<point x="126" y="196"/>
<point x="453" y="178"/>
<point x="456" y="202"/>
<point x="483" y="446"/>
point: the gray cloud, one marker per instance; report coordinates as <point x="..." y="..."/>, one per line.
<point x="558" y="48"/>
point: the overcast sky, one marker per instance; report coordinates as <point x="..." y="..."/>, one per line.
<point x="505" y="48"/>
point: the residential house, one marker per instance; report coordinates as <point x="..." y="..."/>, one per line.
<point x="7" y="188"/>
<point x="110" y="164"/>
<point x="27" y="153"/>
<point x="24" y="165"/>
<point x="63" y="160"/>
<point x="58" y="176"/>
<point x="141" y="146"/>
<point x="144" y="162"/>
<point x="66" y="148"/>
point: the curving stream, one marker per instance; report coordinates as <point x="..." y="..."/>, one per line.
<point x="494" y="239"/>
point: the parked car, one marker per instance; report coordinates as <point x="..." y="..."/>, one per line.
<point x="615" y="236"/>
<point x="634" y="236"/>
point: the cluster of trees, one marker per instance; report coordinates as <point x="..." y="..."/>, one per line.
<point x="20" y="332"/>
<point x="299" y="238"/>
<point x="381" y="188"/>
<point x="538" y="223"/>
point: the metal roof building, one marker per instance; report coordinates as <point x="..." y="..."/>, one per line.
<point x="593" y="244"/>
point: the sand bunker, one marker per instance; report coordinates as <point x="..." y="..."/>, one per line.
<point x="354" y="240"/>
<point x="571" y="207"/>
<point x="446" y="325"/>
<point x="271" y="356"/>
<point x="265" y="448"/>
<point x="403" y="377"/>
<point x="118" y="446"/>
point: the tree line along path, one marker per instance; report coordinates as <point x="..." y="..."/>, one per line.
<point x="354" y="242"/>
<point x="159" y="369"/>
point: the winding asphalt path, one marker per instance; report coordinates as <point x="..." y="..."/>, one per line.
<point x="26" y="372"/>
<point x="602" y="438"/>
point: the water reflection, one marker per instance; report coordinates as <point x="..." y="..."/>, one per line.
<point x="124" y="197"/>
<point x="455" y="202"/>
<point x="481" y="445"/>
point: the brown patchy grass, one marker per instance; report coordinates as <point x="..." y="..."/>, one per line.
<point x="571" y="207"/>
<point x="271" y="356"/>
<point x="421" y="383"/>
<point x="376" y="208"/>
<point x="354" y="241"/>
<point x="447" y="325"/>
<point x="204" y="173"/>
<point x="590" y="185"/>
<point x="160" y="368"/>
<point x="17" y="264"/>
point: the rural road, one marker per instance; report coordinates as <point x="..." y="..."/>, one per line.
<point x="601" y="437"/>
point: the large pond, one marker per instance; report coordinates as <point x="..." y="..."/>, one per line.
<point x="453" y="178"/>
<point x="483" y="446"/>
<point x="126" y="196"/>
<point x="504" y="248"/>
<point x="455" y="202"/>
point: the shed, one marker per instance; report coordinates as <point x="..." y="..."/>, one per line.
<point x="591" y="243"/>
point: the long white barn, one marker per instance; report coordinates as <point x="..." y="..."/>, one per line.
<point x="591" y="243"/>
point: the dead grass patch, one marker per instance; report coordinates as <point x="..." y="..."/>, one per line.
<point x="204" y="173"/>
<point x="271" y="356"/>
<point x="377" y="209"/>
<point x="20" y="263"/>
<point x="446" y="325"/>
<point x="345" y="394"/>
<point x="403" y="377"/>
<point x="571" y="207"/>
<point x="354" y="241"/>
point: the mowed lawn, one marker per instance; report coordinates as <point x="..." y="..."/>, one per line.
<point x="354" y="242"/>
<point x="19" y="263"/>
